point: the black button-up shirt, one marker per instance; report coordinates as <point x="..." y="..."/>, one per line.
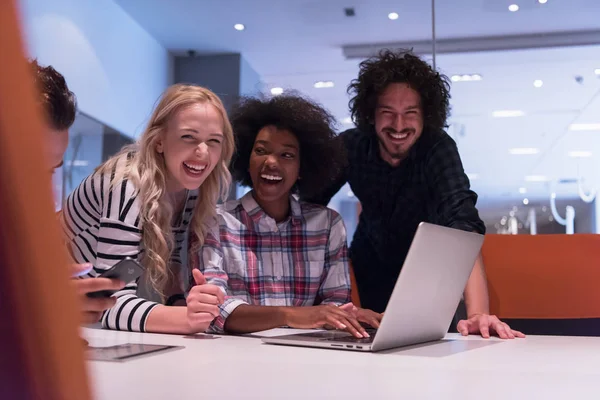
<point x="430" y="185"/>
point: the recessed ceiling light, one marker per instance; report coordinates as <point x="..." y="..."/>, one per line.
<point x="239" y="27"/>
<point x="525" y="201"/>
<point x="536" y="178"/>
<point x="538" y="83"/>
<point x="276" y="91"/>
<point x="393" y="16"/>
<point x="507" y="113"/>
<point x="584" y="127"/>
<point x="513" y="8"/>
<point x="347" y="121"/>
<point x="472" y="176"/>
<point x="523" y="151"/>
<point x="597" y="71"/>
<point x="579" y="154"/>
<point x="466" y="78"/>
<point x="522" y="190"/>
<point x="542" y="1"/>
<point x="323" y="84"/>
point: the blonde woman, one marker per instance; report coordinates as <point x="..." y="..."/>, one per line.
<point x="142" y="202"/>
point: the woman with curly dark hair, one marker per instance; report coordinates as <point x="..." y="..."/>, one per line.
<point x="281" y="261"/>
<point x="404" y="169"/>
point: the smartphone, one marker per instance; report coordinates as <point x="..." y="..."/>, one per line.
<point x="126" y="270"/>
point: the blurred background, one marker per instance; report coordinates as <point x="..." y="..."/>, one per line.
<point x="525" y="81"/>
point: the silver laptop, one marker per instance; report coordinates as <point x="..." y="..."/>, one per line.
<point x="424" y="300"/>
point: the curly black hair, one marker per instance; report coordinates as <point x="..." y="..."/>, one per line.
<point x="401" y="66"/>
<point x="321" y="156"/>
<point x="58" y="102"/>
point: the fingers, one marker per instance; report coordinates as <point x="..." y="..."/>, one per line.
<point x="207" y="289"/>
<point x="335" y="321"/>
<point x="97" y="304"/>
<point x="371" y="318"/>
<point x="356" y="328"/>
<point x="89" y="317"/>
<point x="501" y="330"/>
<point x="349" y="307"/>
<point x="207" y="299"/>
<point x="463" y="327"/>
<point x="78" y="270"/>
<point x="195" y="306"/>
<point x="90" y="285"/>
<point x="518" y="334"/>
<point x="484" y="326"/>
<point x="198" y="277"/>
<point x="350" y="323"/>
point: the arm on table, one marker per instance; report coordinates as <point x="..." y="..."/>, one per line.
<point x="455" y="208"/>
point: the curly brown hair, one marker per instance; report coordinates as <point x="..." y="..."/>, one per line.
<point x="401" y="66"/>
<point x="321" y="156"/>
<point x="58" y="102"/>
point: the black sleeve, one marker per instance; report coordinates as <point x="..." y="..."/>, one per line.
<point x="324" y="196"/>
<point x="454" y="201"/>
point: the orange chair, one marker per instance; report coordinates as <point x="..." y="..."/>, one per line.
<point x="545" y="284"/>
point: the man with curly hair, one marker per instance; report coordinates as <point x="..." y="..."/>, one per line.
<point x="404" y="169"/>
<point x="282" y="262"/>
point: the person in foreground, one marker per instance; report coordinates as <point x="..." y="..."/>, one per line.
<point x="58" y="104"/>
<point x="281" y="261"/>
<point x="141" y="203"/>
<point x="404" y="169"/>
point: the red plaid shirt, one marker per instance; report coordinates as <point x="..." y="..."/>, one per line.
<point x="299" y="262"/>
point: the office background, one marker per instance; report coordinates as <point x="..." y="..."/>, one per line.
<point x="525" y="81"/>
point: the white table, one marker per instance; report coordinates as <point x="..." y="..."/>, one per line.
<point x="229" y="367"/>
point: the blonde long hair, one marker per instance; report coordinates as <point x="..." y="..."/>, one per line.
<point x="147" y="171"/>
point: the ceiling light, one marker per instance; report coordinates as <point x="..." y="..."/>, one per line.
<point x="393" y="16"/>
<point x="513" y="8"/>
<point x="538" y="83"/>
<point x="542" y="1"/>
<point x="466" y="78"/>
<point x="579" y="154"/>
<point x="507" y="113"/>
<point x="522" y="190"/>
<point x="323" y="84"/>
<point x="472" y="176"/>
<point x="523" y="151"/>
<point x="584" y="127"/>
<point x="239" y="27"/>
<point x="525" y="201"/>
<point x="347" y="121"/>
<point x="536" y="178"/>
<point x="276" y="91"/>
<point x="597" y="71"/>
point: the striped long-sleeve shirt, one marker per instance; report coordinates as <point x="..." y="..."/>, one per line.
<point x="102" y="226"/>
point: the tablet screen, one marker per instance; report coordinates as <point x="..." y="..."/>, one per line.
<point x="126" y="351"/>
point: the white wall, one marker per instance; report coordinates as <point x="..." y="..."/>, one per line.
<point x="116" y="69"/>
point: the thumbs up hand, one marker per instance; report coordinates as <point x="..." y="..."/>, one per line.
<point x="203" y="302"/>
